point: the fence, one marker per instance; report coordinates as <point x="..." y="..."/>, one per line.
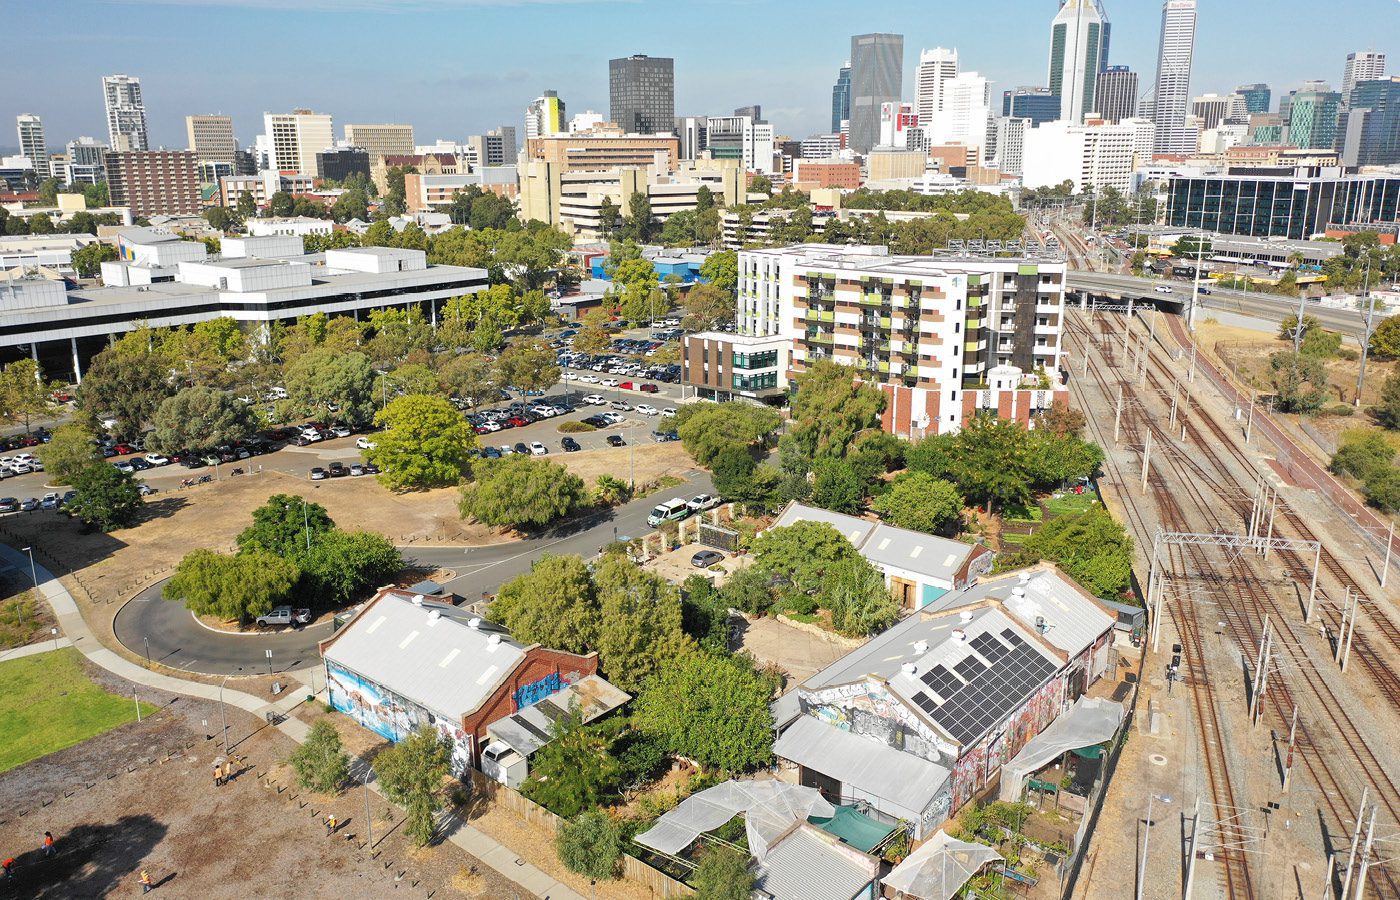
<point x="633" y="869"/>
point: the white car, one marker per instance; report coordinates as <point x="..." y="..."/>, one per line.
<point x="595" y="400"/>
<point x="613" y="418"/>
<point x="489" y="424"/>
<point x="367" y="444"/>
<point x="1163" y="289"/>
<point x="668" y="412"/>
<point x="311" y="435"/>
<point x="646" y="409"/>
<point x="702" y="501"/>
<point x="340" y="431"/>
<point x="588" y="379"/>
<point x="548" y="412"/>
<point x="538" y="449"/>
<point x="610" y="382"/>
<point x="507" y="450"/>
<point x="157" y="459"/>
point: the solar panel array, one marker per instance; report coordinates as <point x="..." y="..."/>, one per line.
<point x="979" y="696"/>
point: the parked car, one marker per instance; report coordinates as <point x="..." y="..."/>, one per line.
<point x="668" y="412"/>
<point x="490" y="453"/>
<point x="1163" y="289"/>
<point x="706" y="558"/>
<point x="702" y="502"/>
<point x="338" y="470"/>
<point x="613" y="418"/>
<point x="145" y="489"/>
<point x="646" y="409"/>
<point x="9" y="504"/>
<point x="364" y="443"/>
<point x="621" y="405"/>
<point x="662" y="437"/>
<point x="507" y="450"/>
<point x="538" y="449"/>
<point x="124" y="467"/>
<point x="625" y="386"/>
<point x="649" y="389"/>
<point x="138" y="464"/>
<point x="522" y="448"/>
<point x="51" y="500"/>
<point x="285" y="615"/>
<point x="570" y="445"/>
<point x="157" y="459"/>
<point x="318" y="473"/>
<point x="595" y="400"/>
<point x="29" y="504"/>
<point x="610" y="382"/>
<point x="615" y="440"/>
<point x="340" y="431"/>
<point x="672" y="510"/>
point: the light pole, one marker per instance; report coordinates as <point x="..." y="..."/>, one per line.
<point x="33" y="576"/>
<point x="223" y="719"/>
<point x="1142" y="866"/>
<point x="369" y="819"/>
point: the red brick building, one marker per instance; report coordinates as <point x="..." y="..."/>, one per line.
<point x="155" y="182"/>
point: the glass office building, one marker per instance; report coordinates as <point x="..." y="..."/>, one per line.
<point x="1273" y="203"/>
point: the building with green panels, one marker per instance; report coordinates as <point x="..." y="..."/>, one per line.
<point x="1368" y="133"/>
<point x="1312" y="122"/>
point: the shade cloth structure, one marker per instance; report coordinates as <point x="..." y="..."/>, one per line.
<point x="939" y="868"/>
<point x="1090" y="721"/>
<point x="769" y="808"/>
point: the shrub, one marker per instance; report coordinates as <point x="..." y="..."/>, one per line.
<point x="1340" y="409"/>
<point x="590" y="845"/>
<point x="575" y="427"/>
<point x="1362" y="454"/>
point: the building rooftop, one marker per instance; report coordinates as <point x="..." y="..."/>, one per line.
<point x="809" y="864"/>
<point x="1041" y="598"/>
<point x="872" y="765"/>
<point x="886" y="545"/>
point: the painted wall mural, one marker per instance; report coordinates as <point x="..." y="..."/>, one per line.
<point x="391" y="716"/>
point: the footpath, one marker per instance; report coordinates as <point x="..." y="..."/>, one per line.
<point x="77" y="634"/>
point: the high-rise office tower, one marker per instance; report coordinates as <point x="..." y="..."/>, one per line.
<point x="1116" y="94"/>
<point x="126" y="113"/>
<point x="877" y="76"/>
<point x="380" y="140"/>
<point x="87" y="161"/>
<point x="1210" y="109"/>
<point x="545" y="116"/>
<point x="642" y="93"/>
<point x="212" y="140"/>
<point x="1257" y="97"/>
<point x="1078" y="46"/>
<point x="1312" y="117"/>
<point x="1368" y="133"/>
<point x="936" y="67"/>
<point x="1035" y="103"/>
<point x="296" y="138"/>
<point x="1363" y="65"/>
<point x="841" y="98"/>
<point x="1173" y="91"/>
<point x="31" y="142"/>
<point x="754" y="112"/>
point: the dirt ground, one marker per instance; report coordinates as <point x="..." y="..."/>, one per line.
<point x="141" y="797"/>
<point x="798" y="652"/>
<point x="652" y="461"/>
<point x="675" y="567"/>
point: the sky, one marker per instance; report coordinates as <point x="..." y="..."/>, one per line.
<point x="452" y="68"/>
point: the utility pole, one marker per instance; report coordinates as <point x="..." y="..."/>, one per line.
<point x="1153" y="586"/>
<point x="1389" y="538"/>
<point x="1292" y="737"/>
<point x="1118" y="414"/>
<point x="1355" y="839"/>
<point x="1351" y="629"/>
<point x="1312" y="589"/>
<point x="1146" y="459"/>
<point x="1195" y="845"/>
<point x="1260" y="669"/>
<point x="1366" y="854"/>
<point x="1366" y="332"/>
<point x="1298" y="326"/>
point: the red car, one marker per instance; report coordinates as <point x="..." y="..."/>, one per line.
<point x="625" y="386"/>
<point x="649" y="389"/>
<point x="123" y="449"/>
<point x="518" y="421"/>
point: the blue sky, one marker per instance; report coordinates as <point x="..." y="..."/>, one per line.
<point x="457" y="67"/>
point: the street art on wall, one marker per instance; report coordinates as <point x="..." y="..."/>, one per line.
<point x="391" y="716"/>
<point x="978" y="764"/>
<point x="535" y="691"/>
<point x="859" y="707"/>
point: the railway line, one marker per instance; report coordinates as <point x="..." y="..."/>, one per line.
<point x="1195" y="489"/>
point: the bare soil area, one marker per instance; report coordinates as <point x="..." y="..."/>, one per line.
<point x="646" y="462"/>
<point x="142" y="797"/>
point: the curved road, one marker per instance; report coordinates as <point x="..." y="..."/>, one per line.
<point x="173" y="637"/>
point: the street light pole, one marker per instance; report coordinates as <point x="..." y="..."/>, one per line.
<point x="223" y="718"/>
<point x="1142" y="866"/>
<point x="33" y="576"/>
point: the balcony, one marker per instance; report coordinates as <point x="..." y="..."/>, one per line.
<point x="874" y="300"/>
<point x="819" y="315"/>
<point x="821" y="337"/>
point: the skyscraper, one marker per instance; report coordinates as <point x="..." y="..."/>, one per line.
<point x="213" y="142"/>
<point x="1257" y="97"/>
<point x="1210" y="109"/>
<point x="126" y="113"/>
<point x="1363" y="65"/>
<point x="841" y="98"/>
<point x="936" y="67"/>
<point x="545" y="116"/>
<point x="967" y="108"/>
<point x="1034" y="103"/>
<point x="1312" y="117"/>
<point x="296" y="138"/>
<point x="642" y="94"/>
<point x="1369" y="131"/>
<point x="877" y="76"/>
<point x="380" y="140"/>
<point x="31" y="142"/>
<point x="1173" y="91"/>
<point x="1078" y="47"/>
<point x="1116" y="94"/>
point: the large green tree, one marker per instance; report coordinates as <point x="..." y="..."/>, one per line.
<point x="829" y="408"/>
<point x="88" y="260"/>
<point x="198" y="418"/>
<point x="104" y="497"/>
<point x="712" y="709"/>
<point x="802" y="554"/>
<point x="425" y="443"/>
<point x="239" y="586"/>
<point x="721" y="269"/>
<point x="722" y="874"/>
<point x="411" y="774"/>
<point x="286" y="525"/>
<point x="590" y="845"/>
<point x="640" y="629"/>
<point x="521" y="492"/>
<point x="1089" y="546"/>
<point x="1299" y="381"/>
<point x="707" y="429"/>
<point x="71" y="449"/>
<point x="920" y="502"/>
<point x="323" y="376"/>
<point x="553" y="604"/>
<point x="470" y="377"/>
<point x="836" y="486"/>
<point x="527" y="366"/>
<point x="321" y="762"/>
<point x="859" y="601"/>
<point x="574" y="772"/>
<point x="128" y="386"/>
<point x="24" y="392"/>
<point x="344" y="565"/>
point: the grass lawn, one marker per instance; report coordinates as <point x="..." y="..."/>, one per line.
<point x="1069" y="503"/>
<point x="47" y="704"/>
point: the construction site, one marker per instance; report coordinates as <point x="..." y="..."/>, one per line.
<point x="1263" y="759"/>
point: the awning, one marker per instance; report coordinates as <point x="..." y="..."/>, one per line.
<point x="1090" y="721"/>
<point x="532" y="727"/>
<point x="905" y="780"/>
<point x="769" y="807"/>
<point x="940" y="867"/>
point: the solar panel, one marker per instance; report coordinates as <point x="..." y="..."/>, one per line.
<point x="970" y="668"/>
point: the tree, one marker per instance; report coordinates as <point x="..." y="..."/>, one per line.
<point x="1385" y="340"/>
<point x="88" y="260"/>
<point x="609" y="218"/>
<point x="640" y="628"/>
<point x="411" y="378"/>
<point x="553" y="604"/>
<point x="129" y="386"/>
<point x="1062" y="419"/>
<point x="24" y="392"/>
<point x="829" y="408"/>
<point x="247" y="206"/>
<point x="240" y="586"/>
<point x="71" y="450"/>
<point x="104" y="497"/>
<point x="802" y="553"/>
<point x="760" y="184"/>
<point x="426" y="443"/>
<point x="1363" y="454"/>
<point x="594" y="338"/>
<point x="325" y="376"/>
<point x="705" y="614"/>
<point x="933" y="456"/>
<point x="732" y="471"/>
<point x="573" y="772"/>
<point x="280" y="205"/>
<point x="1387" y="412"/>
<point x="528" y="366"/>
<point x="920" y="502"/>
<point x="521" y="491"/>
<point x="859" y="601"/>
<point x="1089" y="546"/>
<point x="198" y="418"/>
<point x="723" y="874"/>
<point x="396" y="332"/>
<point x="721" y="269"/>
<point x="590" y="845"/>
<point x="342" y="565"/>
<point x="712" y="709"/>
<point x="1287" y="328"/>
<point x="706" y="429"/>
<point x="470" y="377"/>
<point x="749" y="589"/>
<point x="836" y="486"/>
<point x="321" y="763"/>
<point x="991" y="461"/>
<point x="350" y="205"/>
<point x="709" y="304"/>
<point x="638" y="226"/>
<point x="634" y="282"/>
<point x="411" y="773"/>
<point x="219" y="218"/>
<point x="286" y="525"/>
<point x="1321" y="343"/>
<point x="1055" y="460"/>
<point x="1300" y="382"/>
<point x="1382" y="490"/>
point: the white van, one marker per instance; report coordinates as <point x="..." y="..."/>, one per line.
<point x="672" y="510"/>
<point x="1163" y="289"/>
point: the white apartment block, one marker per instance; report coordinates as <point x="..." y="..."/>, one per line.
<point x="741" y="138"/>
<point x="262" y="186"/>
<point x="821" y="146"/>
<point x="212" y="139"/>
<point x="31" y="142"/>
<point x="295" y="138"/>
<point x="1011" y="145"/>
<point x="897" y="120"/>
<point x="945" y="337"/>
<point x="1091" y="156"/>
<point x="967" y="111"/>
<point x="936" y="68"/>
<point x="126" y="113"/>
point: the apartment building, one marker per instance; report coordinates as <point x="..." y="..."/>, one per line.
<point x="573" y="199"/>
<point x="262" y="186"/>
<point x="212" y="140"/>
<point x="31" y="142"/>
<point x="155" y="182"/>
<point x="295" y="138"/>
<point x="1093" y="155"/>
<point x="826" y="173"/>
<point x="944" y="336"/>
<point x="126" y="112"/>
<point x="380" y="140"/>
<point x="603" y="149"/>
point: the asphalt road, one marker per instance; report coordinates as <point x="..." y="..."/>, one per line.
<point x="170" y="635"/>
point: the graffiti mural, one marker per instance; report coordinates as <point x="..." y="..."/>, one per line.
<point x="981" y="762"/>
<point x="858" y="708"/>
<point x="535" y="691"/>
<point x="391" y="716"/>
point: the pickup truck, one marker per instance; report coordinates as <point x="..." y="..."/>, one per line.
<point x="285" y="615"/>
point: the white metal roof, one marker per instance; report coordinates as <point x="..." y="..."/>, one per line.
<point x="872" y="766"/>
<point x="809" y="864"/>
<point x="1048" y="602"/>
<point x="886" y="545"/>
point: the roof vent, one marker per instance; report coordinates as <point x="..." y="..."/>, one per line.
<point x="417" y="599"/>
<point x="965" y="616"/>
<point x="494" y="640"/>
<point x="920" y="648"/>
<point x="1041" y="625"/>
<point x="1024" y="578"/>
<point x="474" y="623"/>
<point x="434" y="616"/>
<point x="959" y="636"/>
<point x="1018" y="592"/>
<point x="908" y="668"/>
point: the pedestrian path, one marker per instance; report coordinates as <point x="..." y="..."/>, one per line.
<point x="45" y="646"/>
<point x="77" y="634"/>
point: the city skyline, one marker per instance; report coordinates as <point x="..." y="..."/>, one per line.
<point x="449" y="92"/>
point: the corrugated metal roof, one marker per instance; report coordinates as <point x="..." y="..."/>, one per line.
<point x="437" y="661"/>
<point x="886" y="545"/>
<point x="851" y="528"/>
<point x="1073" y="620"/>
<point x="874" y="767"/>
<point x="532" y="727"/>
<point x="808" y="864"/>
